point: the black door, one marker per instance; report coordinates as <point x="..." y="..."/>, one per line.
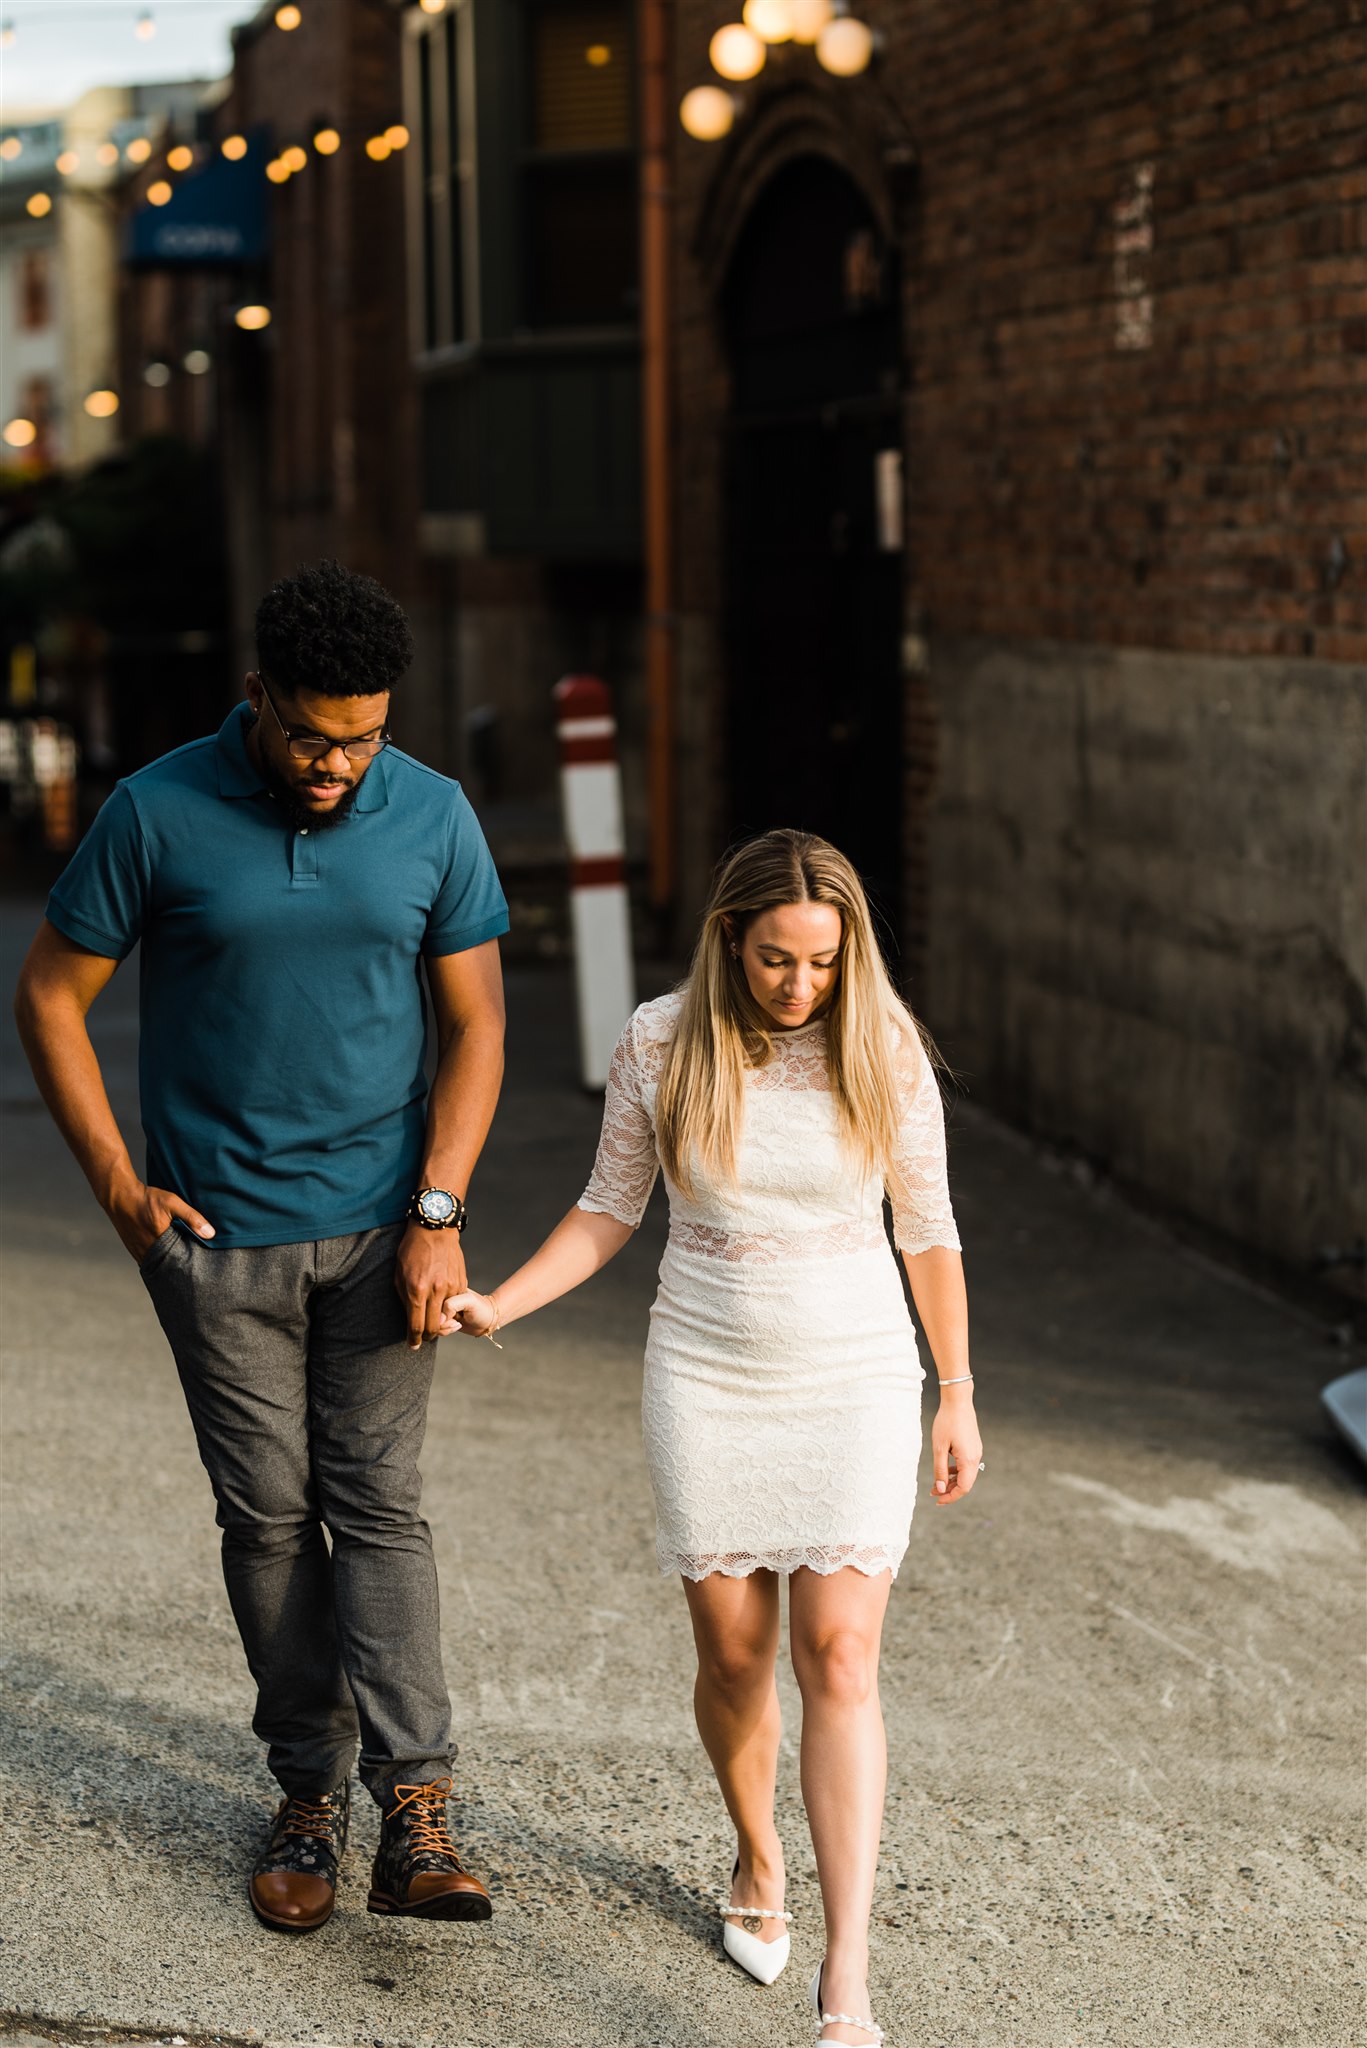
<point x="813" y="585"/>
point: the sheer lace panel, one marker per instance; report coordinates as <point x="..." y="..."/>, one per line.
<point x="771" y="1248"/>
<point x="869" y="1558"/>
<point x="923" y="1216"/>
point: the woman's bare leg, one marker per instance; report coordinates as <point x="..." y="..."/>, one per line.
<point x="735" y="1628"/>
<point x="836" y="1626"/>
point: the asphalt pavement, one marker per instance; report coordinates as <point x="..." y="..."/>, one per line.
<point x="1123" y="1684"/>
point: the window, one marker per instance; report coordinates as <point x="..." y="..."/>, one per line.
<point x="439" y="83"/>
<point x="579" y="205"/>
<point x="35" y="290"/>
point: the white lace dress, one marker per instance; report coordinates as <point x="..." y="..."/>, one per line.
<point x="782" y="1399"/>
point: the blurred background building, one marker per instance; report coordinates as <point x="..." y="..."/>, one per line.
<point x="959" y="453"/>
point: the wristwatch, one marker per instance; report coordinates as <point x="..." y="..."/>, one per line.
<point x="437" y="1209"/>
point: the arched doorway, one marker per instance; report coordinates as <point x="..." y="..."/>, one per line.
<point x="813" y="542"/>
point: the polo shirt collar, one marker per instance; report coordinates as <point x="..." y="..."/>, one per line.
<point x="237" y="777"/>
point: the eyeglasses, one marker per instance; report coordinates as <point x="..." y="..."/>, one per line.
<point x="312" y="747"/>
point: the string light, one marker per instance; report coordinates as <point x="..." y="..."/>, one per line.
<point x="432" y="6"/>
<point x="771" y="20"/>
<point x="39" y="204"/>
<point x="102" y="405"/>
<point x="10" y="148"/>
<point x="809" y="18"/>
<point x="294" y="158"/>
<point x="197" y="363"/>
<point x="288" y="17"/>
<point x="69" y="161"/>
<point x="20" y="433"/>
<point x="145" y="28"/>
<point x="397" y="136"/>
<point x="234" y="147"/>
<point x="251" y="319"/>
<point x="377" y="148"/>
<point x="845" y="47"/>
<point x="180" y="158"/>
<point x="736" y="51"/>
<point x="158" y="194"/>
<point x="597" y="55"/>
<point x="107" y="154"/>
<point x="327" y="142"/>
<point x="157" y="375"/>
<point x="277" y="170"/>
<point x="8" y="35"/>
<point x="139" y="149"/>
<point x="707" y="113"/>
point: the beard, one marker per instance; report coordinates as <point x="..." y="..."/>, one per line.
<point x="286" y="794"/>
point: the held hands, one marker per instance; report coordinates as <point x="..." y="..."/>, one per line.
<point x="140" y="1214"/>
<point x="957" y="1447"/>
<point x="429" y="1271"/>
<point x="468" y="1315"/>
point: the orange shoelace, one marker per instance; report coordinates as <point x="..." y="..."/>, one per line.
<point x="311" y="1817"/>
<point x="427" y="1818"/>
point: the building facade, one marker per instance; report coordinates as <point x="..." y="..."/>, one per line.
<point x="1023" y="384"/>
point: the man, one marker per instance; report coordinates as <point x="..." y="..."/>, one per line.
<point x="299" y="1224"/>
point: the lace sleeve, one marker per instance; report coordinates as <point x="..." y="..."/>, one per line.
<point x="627" y="1163"/>
<point x="922" y="1215"/>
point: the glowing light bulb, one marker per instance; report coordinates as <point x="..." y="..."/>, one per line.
<point x="736" y="51"/>
<point x="707" y="113"/>
<point x="138" y="150"/>
<point x="252" y="318"/>
<point x="277" y="170"/>
<point x="432" y="6"/>
<point x="156" y="375"/>
<point x="8" y="34"/>
<point x="771" y="20"/>
<point x="234" y="147"/>
<point x="102" y="405"/>
<point x="69" y="161"/>
<point x="159" y="194"/>
<point x="39" y="204"/>
<point x="294" y="158"/>
<point x="180" y="158"/>
<point x="144" y="28"/>
<point x="397" y="136"/>
<point x="107" y="154"/>
<point x="378" y="148"/>
<point x="845" y="47"/>
<point x="20" y="433"/>
<point x="288" y="17"/>
<point x="327" y="142"/>
<point x="597" y="55"/>
<point x="10" y="148"/>
<point x="809" y="18"/>
<point x="197" y="363"/>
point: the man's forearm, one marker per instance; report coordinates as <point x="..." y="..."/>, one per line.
<point x="57" y="1042"/>
<point x="461" y="1106"/>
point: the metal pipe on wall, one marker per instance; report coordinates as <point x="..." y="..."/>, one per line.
<point x="661" y="626"/>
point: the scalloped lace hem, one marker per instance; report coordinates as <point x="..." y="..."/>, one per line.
<point x="869" y="1558"/>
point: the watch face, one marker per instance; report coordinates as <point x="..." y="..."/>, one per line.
<point x="436" y="1205"/>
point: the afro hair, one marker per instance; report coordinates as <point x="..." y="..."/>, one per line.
<point x="332" y="632"/>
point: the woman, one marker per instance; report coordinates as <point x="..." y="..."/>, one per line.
<point x="782" y="1090"/>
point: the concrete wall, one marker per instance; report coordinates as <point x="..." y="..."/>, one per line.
<point x="1149" y="922"/>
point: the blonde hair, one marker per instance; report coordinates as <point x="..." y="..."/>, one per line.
<point x="722" y="1030"/>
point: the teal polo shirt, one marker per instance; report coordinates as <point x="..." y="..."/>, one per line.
<point x="284" y="1019"/>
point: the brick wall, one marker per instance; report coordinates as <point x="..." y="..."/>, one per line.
<point x="1134" y="260"/>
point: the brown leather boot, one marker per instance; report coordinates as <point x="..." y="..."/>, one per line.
<point x="294" y="1885"/>
<point x="417" y="1867"/>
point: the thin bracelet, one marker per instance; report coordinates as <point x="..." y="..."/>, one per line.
<point x="957" y="1382"/>
<point x="496" y="1324"/>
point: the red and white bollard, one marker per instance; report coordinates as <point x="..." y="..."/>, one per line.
<point x="591" y="793"/>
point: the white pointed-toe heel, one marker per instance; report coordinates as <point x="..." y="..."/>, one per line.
<point x="763" y="1960"/>
<point x="838" y="2019"/>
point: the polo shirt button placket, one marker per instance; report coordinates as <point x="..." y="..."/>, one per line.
<point x="303" y="859"/>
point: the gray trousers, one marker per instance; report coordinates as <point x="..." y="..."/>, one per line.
<point x="310" y="1411"/>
